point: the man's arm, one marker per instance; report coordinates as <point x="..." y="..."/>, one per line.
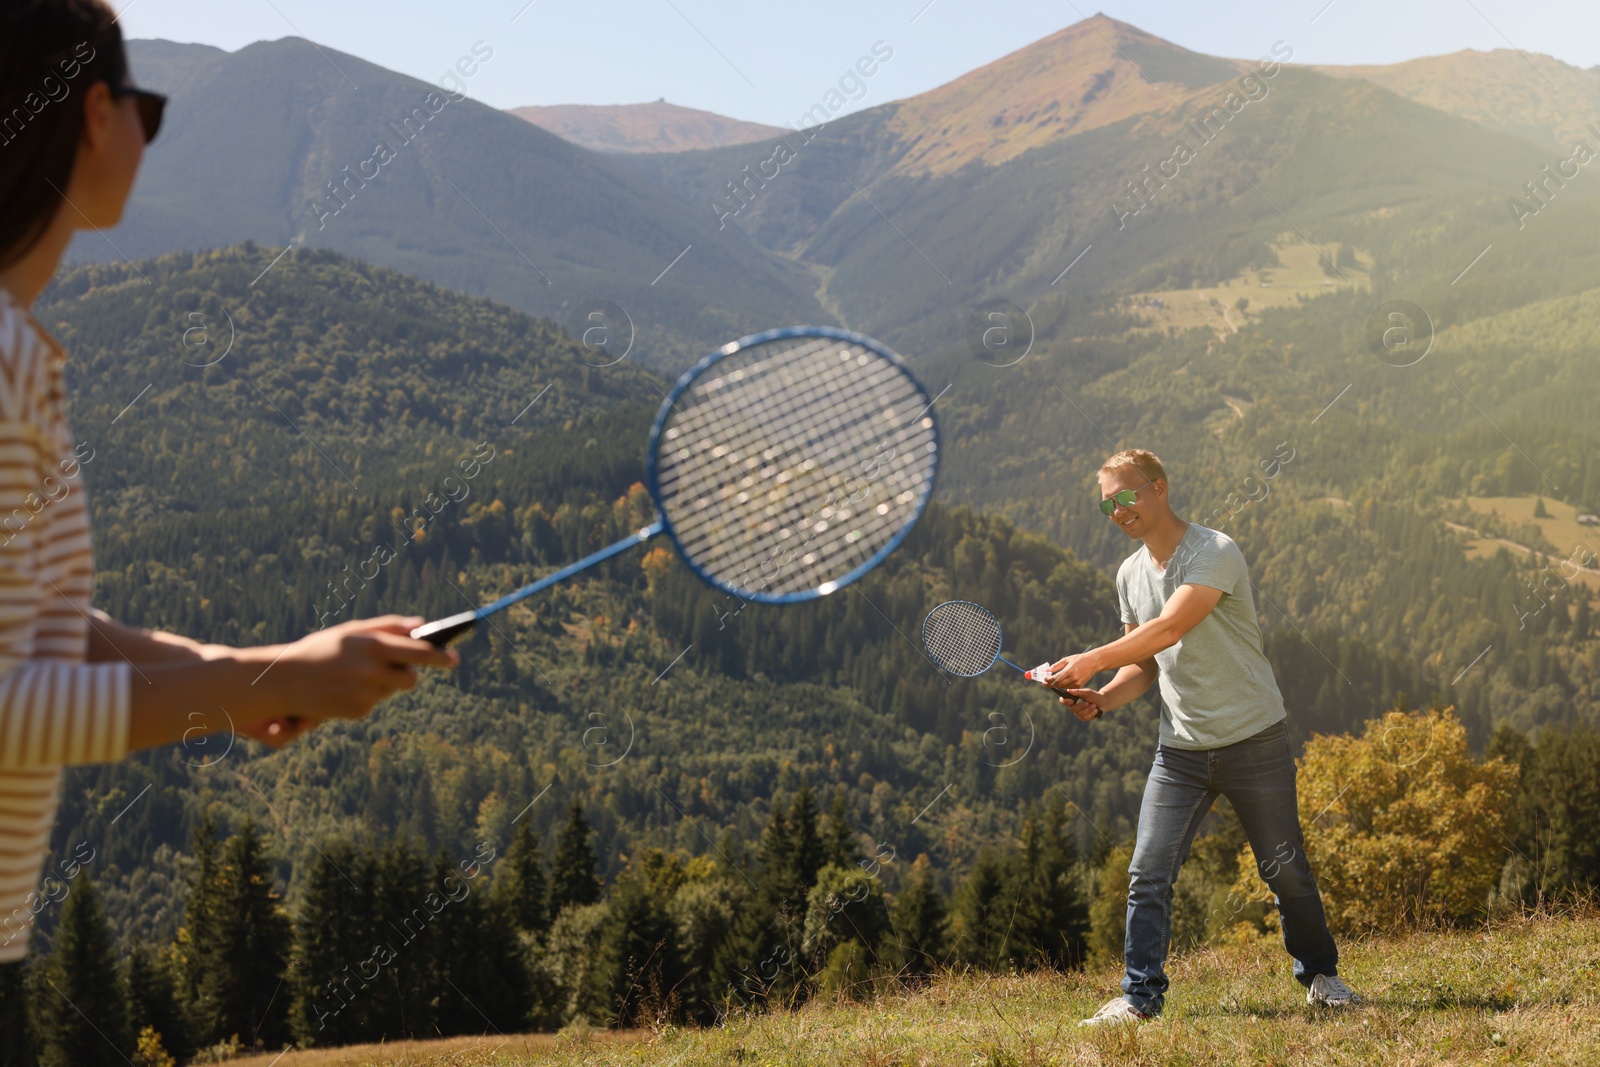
<point x="1183" y="611"/>
<point x="1130" y="683"/>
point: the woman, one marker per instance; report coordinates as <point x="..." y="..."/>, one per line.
<point x="75" y="685"/>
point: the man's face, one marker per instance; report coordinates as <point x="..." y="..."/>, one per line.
<point x="1138" y="518"/>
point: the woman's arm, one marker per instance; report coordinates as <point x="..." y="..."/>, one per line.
<point x="336" y="673"/>
<point x="110" y="641"/>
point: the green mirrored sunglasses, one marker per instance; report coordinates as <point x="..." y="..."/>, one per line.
<point x="1127" y="498"/>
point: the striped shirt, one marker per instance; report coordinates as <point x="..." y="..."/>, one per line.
<point x="55" y="709"/>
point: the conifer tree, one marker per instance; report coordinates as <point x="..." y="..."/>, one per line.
<point x="638" y="966"/>
<point x="806" y="842"/>
<point x="520" y="891"/>
<point x="83" y="1011"/>
<point x="982" y="917"/>
<point x="18" y="1045"/>
<point x="919" y="921"/>
<point x="1050" y="918"/>
<point x="334" y="939"/>
<point x="153" y="1001"/>
<point x="573" y="875"/>
<point x="239" y="961"/>
<point x="838" y="841"/>
<point x="478" y="979"/>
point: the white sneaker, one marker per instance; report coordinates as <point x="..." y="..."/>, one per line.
<point x="1330" y="990"/>
<point x="1115" y="1011"/>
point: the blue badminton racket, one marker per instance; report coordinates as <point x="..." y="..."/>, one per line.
<point x="783" y="467"/>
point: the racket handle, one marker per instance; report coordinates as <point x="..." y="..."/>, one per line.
<point x="443" y="631"/>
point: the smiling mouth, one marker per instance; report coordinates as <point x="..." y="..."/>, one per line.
<point x="1129" y="521"/>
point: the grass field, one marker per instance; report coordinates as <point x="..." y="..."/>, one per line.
<point x="1520" y="992"/>
<point x="1298" y="277"/>
<point x="1561" y="529"/>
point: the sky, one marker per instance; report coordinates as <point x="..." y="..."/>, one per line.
<point x="769" y="61"/>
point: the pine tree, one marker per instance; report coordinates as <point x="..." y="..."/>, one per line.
<point x="638" y="966"/>
<point x="404" y="988"/>
<point x="807" y="844"/>
<point x="479" y="979"/>
<point x="919" y="921"/>
<point x="83" y="1012"/>
<point x="838" y="840"/>
<point x="520" y="891"/>
<point x="573" y="876"/>
<point x="153" y="1001"/>
<point x="983" y="911"/>
<point x="1051" y="920"/>
<point x="424" y="821"/>
<point x="238" y="961"/>
<point x="199" y="934"/>
<point x="334" y="937"/>
<point x="18" y="1044"/>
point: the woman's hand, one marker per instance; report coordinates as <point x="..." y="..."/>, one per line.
<point x="342" y="672"/>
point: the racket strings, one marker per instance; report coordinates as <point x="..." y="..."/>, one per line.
<point x="795" y="463"/>
<point x="962" y="637"/>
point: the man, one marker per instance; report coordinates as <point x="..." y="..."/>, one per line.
<point x="1190" y="624"/>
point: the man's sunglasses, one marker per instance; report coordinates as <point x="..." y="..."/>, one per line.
<point x="151" y="107"/>
<point x="1127" y="498"/>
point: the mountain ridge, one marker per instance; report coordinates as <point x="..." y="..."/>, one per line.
<point x="649" y="127"/>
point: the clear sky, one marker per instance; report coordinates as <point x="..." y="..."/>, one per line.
<point x="770" y="60"/>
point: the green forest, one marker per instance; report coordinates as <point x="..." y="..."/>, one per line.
<point x="693" y="804"/>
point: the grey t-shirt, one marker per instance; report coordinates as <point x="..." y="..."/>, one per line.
<point x="1216" y="684"/>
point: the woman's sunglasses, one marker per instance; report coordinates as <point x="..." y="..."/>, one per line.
<point x="1127" y="498"/>
<point x="151" y="107"/>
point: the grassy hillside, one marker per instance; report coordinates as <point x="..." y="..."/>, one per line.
<point x="1513" y="993"/>
<point x="1534" y="96"/>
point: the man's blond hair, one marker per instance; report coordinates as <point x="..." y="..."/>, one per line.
<point x="1145" y="462"/>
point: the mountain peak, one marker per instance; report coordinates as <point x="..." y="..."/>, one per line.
<point x="1093" y="73"/>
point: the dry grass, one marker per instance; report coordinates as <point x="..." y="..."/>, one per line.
<point x="1520" y="992"/>
<point x="1297" y="278"/>
<point x="1560" y="529"/>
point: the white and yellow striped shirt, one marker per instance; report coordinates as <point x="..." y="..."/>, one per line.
<point x="55" y="709"/>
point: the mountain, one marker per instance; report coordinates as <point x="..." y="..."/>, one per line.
<point x="292" y="145"/>
<point x="1538" y="97"/>
<point x="656" y="127"/>
<point x="1179" y="171"/>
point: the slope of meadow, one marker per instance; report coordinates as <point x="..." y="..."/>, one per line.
<point x="1518" y="992"/>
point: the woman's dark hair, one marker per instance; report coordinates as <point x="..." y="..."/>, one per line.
<point x="50" y="51"/>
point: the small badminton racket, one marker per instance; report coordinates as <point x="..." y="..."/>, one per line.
<point x="783" y="467"/>
<point x="964" y="639"/>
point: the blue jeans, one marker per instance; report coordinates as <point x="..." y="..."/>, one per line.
<point x="1257" y="777"/>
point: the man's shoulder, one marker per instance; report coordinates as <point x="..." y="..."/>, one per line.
<point x="1205" y="540"/>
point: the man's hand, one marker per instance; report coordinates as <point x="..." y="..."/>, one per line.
<point x="1072" y="672"/>
<point x="1086" y="704"/>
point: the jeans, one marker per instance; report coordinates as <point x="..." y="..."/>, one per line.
<point x="1257" y="777"/>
